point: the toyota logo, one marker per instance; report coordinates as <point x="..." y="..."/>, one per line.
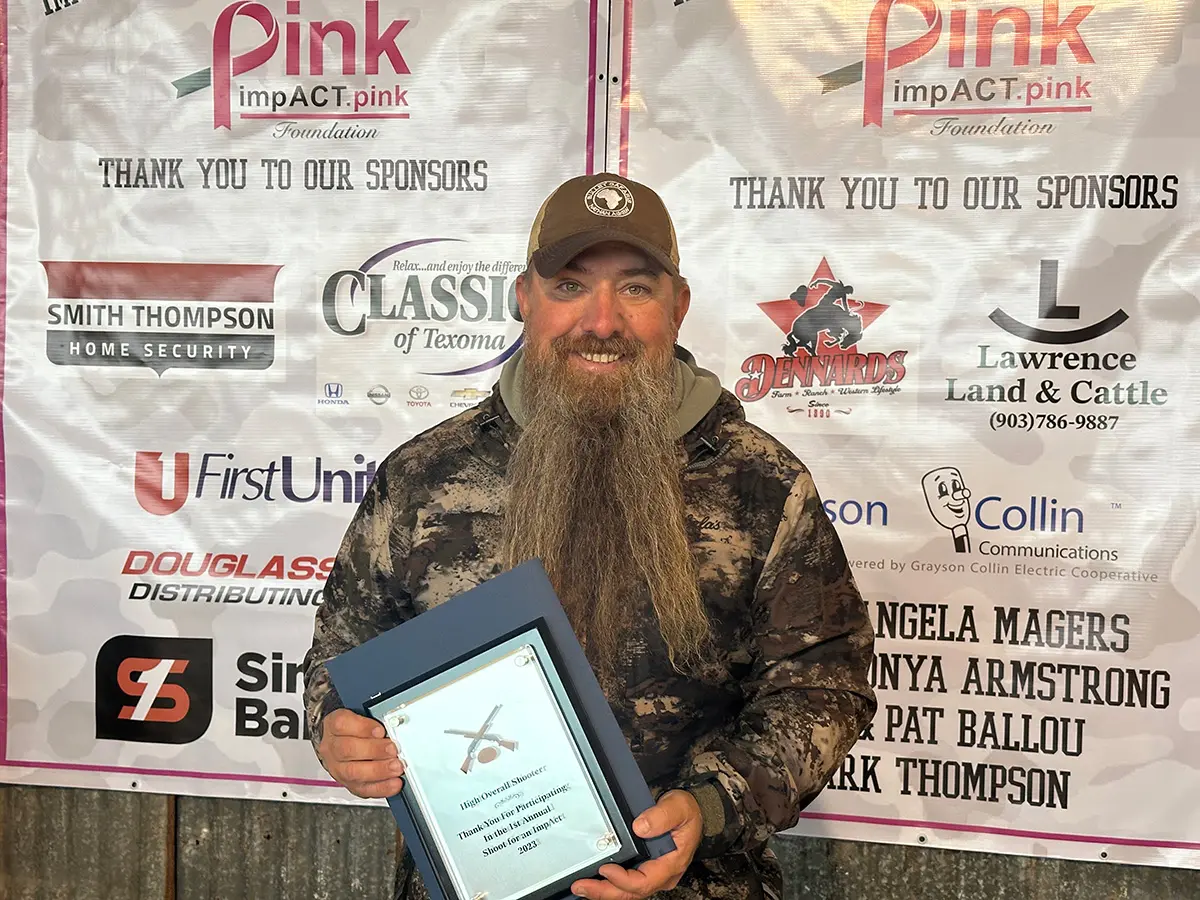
<point x="333" y="390"/>
<point x="418" y="392"/>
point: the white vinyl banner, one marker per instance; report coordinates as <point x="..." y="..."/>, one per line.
<point x="950" y="253"/>
<point x="251" y="247"/>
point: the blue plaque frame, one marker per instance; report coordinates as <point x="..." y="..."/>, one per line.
<point x="461" y="628"/>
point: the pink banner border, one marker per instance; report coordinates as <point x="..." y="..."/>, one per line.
<point x="1000" y="832"/>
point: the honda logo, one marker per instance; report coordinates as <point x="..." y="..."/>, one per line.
<point x="333" y="390"/>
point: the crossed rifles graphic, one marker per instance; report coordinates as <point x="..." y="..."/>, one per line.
<point x="487" y="754"/>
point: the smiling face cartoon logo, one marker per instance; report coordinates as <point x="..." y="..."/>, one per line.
<point x="948" y="499"/>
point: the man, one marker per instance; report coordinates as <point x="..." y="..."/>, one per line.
<point x="689" y="548"/>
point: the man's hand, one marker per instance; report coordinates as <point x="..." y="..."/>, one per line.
<point x="360" y="756"/>
<point x="676" y="812"/>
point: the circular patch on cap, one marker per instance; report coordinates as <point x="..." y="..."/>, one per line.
<point x="610" y="199"/>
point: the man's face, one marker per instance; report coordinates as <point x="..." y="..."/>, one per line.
<point x="607" y="307"/>
<point x="947" y="496"/>
<point x="596" y="472"/>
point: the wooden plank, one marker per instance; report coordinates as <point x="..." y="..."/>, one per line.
<point x="817" y="869"/>
<point x="232" y="849"/>
<point x="72" y="844"/>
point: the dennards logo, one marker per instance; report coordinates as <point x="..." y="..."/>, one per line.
<point x="823" y="324"/>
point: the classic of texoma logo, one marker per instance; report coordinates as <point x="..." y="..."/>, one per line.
<point x="304" y="69"/>
<point x="440" y="303"/>
<point x="822" y="369"/>
<point x="951" y="88"/>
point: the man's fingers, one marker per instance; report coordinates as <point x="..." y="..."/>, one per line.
<point x="345" y="749"/>
<point x="671" y="811"/>
<point x="594" y="889"/>
<point x="372" y="790"/>
<point x="343" y="723"/>
<point x="374" y="770"/>
<point x="643" y="881"/>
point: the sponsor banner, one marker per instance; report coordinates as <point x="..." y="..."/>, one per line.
<point x="251" y="247"/>
<point x="947" y="252"/>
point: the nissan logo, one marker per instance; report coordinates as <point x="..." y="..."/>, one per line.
<point x="333" y="390"/>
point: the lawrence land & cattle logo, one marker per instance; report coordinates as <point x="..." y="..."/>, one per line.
<point x="293" y="80"/>
<point x="823" y="324"/>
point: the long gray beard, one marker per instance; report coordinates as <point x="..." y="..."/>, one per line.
<point x="596" y="495"/>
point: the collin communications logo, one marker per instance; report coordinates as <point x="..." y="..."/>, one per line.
<point x="287" y="69"/>
<point x="956" y="508"/>
<point x="433" y="300"/>
<point x="160" y="316"/>
<point x="823" y="324"/>
<point x="154" y="689"/>
<point x="219" y="476"/>
<point x="957" y="87"/>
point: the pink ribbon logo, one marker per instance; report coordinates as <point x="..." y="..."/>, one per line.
<point x="879" y="60"/>
<point x="225" y="67"/>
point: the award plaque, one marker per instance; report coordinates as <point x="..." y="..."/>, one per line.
<point x="518" y="780"/>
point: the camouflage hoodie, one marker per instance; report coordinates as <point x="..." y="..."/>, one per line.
<point x="793" y="631"/>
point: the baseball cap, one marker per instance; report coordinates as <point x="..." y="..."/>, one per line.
<point x="591" y="209"/>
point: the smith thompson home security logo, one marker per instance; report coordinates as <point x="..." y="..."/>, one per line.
<point x="820" y="367"/>
<point x="285" y="67"/>
<point x="160" y="316"/>
<point x="975" y="78"/>
<point x="445" y="305"/>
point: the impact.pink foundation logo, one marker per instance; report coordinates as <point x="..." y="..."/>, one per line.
<point x="299" y="69"/>
<point x="1005" y="43"/>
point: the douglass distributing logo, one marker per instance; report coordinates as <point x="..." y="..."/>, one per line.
<point x="292" y="66"/>
<point x="1014" y="100"/>
<point x="219" y="477"/>
<point x="823" y="324"/>
<point x="445" y="307"/>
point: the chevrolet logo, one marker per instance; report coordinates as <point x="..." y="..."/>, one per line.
<point x="470" y="394"/>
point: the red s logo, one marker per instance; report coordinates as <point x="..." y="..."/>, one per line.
<point x="154" y="689"/>
<point x="151" y="685"/>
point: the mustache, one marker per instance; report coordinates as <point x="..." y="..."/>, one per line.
<point x="624" y="347"/>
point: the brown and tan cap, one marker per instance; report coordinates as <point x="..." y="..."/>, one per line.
<point x="592" y="209"/>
